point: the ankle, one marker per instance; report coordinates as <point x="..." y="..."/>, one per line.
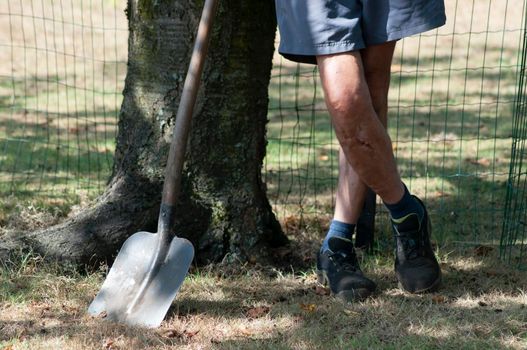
<point x="407" y="205"/>
<point x="338" y="229"/>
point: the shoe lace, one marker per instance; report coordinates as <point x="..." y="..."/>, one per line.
<point x="345" y="261"/>
<point x="411" y="246"/>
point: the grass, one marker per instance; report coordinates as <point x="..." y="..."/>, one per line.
<point x="60" y="92"/>
<point x="450" y="118"/>
<point x="251" y="307"/>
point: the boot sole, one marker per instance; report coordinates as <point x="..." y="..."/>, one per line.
<point x="433" y="287"/>
<point x="352" y="295"/>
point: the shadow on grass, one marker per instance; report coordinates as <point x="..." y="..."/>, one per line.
<point x="465" y="199"/>
<point x="48" y="151"/>
<point x="465" y="312"/>
<point x="41" y="160"/>
<point x="481" y="304"/>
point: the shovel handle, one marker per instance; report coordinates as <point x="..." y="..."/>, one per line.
<point x="176" y="156"/>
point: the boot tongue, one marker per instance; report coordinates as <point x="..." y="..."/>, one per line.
<point x="408" y="223"/>
<point x="339" y="244"/>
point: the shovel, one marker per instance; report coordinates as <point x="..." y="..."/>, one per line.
<point x="150" y="267"/>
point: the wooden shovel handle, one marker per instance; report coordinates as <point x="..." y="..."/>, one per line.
<point x="176" y="156"/>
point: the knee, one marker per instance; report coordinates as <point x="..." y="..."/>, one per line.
<point x="351" y="113"/>
<point x="348" y="102"/>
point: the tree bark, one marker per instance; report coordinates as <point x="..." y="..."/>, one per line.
<point x="223" y="209"/>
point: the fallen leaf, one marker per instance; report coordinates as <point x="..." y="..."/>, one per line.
<point x="482" y="250"/>
<point x="8" y="347"/>
<point x="258" y="311"/>
<point x="323" y="157"/>
<point x="438" y="299"/>
<point x="190" y="334"/>
<point x="108" y="344"/>
<point x="478" y="161"/>
<point x="292" y="224"/>
<point x="484" y="161"/>
<point x="172" y="333"/>
<point x="319" y="290"/>
<point x="308" y="307"/>
<point x="22" y="336"/>
<point x="440" y="194"/>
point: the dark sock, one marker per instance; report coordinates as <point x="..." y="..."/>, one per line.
<point x="406" y="206"/>
<point x="338" y="229"/>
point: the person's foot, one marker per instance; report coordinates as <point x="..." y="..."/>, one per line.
<point x="339" y="268"/>
<point x="416" y="266"/>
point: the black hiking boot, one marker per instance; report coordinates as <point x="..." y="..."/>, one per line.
<point x="416" y="266"/>
<point x="339" y="268"/>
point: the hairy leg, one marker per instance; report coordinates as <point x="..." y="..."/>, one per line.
<point x="361" y="134"/>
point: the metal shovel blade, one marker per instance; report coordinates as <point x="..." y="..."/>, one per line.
<point x="130" y="268"/>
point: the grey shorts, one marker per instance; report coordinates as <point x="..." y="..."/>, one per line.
<point x="321" y="27"/>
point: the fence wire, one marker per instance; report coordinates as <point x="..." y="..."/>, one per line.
<point x="60" y="91"/>
<point x="451" y="109"/>
<point x="450" y="119"/>
<point x="514" y="236"/>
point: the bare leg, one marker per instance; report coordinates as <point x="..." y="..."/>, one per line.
<point x="361" y="134"/>
<point x="351" y="190"/>
<point x="350" y="101"/>
<point x="351" y="96"/>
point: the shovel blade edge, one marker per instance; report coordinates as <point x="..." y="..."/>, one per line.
<point x="128" y="271"/>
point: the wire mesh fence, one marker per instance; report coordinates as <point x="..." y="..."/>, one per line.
<point x="514" y="235"/>
<point x="451" y="109"/>
<point x="60" y="91"/>
<point x="450" y="119"/>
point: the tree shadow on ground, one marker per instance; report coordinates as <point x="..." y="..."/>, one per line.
<point x="481" y="304"/>
<point x="465" y="312"/>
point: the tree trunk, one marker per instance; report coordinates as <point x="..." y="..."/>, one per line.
<point x="223" y="209"/>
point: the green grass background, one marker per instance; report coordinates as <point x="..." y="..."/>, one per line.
<point x="450" y="116"/>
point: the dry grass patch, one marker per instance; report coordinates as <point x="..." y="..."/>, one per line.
<point x="481" y="305"/>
